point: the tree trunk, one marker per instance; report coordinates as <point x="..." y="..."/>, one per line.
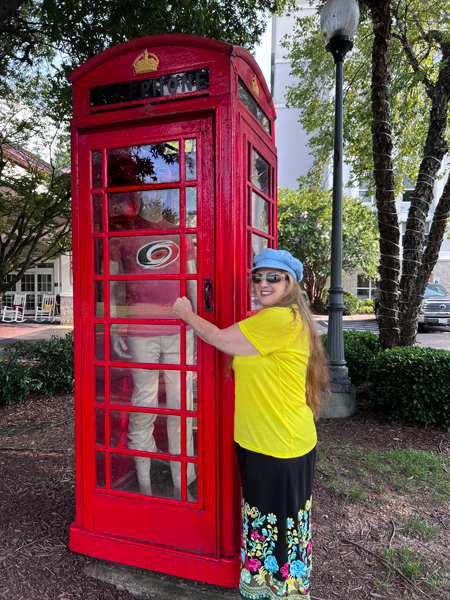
<point x="416" y="267"/>
<point x="389" y="268"/>
<point x="435" y="238"/>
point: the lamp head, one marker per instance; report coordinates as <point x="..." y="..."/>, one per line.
<point x="339" y="18"/>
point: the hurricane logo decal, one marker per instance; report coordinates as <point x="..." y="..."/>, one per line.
<point x="157" y="255"/>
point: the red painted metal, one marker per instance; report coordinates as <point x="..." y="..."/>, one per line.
<point x="232" y="121"/>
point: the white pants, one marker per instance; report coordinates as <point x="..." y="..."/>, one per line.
<point x="159" y="349"/>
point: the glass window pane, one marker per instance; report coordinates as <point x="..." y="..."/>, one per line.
<point x="100" y="475"/>
<point x="150" y="388"/>
<point x="98" y="256"/>
<point x="31" y="302"/>
<point x="145" y="343"/>
<point x="123" y="472"/>
<point x="97" y="213"/>
<point x="161" y="481"/>
<point x="191" y="253"/>
<point x="100" y="385"/>
<point x="99" y="299"/>
<point x="192" y="491"/>
<point x="191" y="159"/>
<point x="97" y="180"/>
<point x="259" y="244"/>
<point x="191" y="347"/>
<point x="191" y="391"/>
<point x="260" y="213"/>
<point x="99" y="341"/>
<point x="8" y="300"/>
<point x="191" y="293"/>
<point x="260" y="172"/>
<point x="44" y="283"/>
<point x="99" y="427"/>
<point x="147" y="432"/>
<point x="248" y="100"/>
<point x="143" y="299"/>
<point x="191" y="207"/>
<point x="27" y="283"/>
<point x="146" y="255"/>
<point x="191" y="436"/>
<point x="150" y="163"/>
<point x="147" y="209"/>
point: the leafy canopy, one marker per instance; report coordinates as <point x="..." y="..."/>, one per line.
<point x="313" y="95"/>
<point x="304" y="229"/>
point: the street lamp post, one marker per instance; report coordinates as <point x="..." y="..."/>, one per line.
<point x="339" y="21"/>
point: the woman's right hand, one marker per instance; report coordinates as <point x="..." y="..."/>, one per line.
<point x="183" y="308"/>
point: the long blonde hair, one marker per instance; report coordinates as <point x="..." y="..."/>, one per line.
<point x="317" y="375"/>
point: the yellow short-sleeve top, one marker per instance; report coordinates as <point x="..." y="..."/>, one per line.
<point x="271" y="414"/>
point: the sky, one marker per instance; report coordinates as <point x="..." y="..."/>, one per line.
<point x="263" y="52"/>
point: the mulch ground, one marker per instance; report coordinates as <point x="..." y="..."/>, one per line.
<point x="37" y="494"/>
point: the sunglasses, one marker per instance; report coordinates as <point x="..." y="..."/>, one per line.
<point x="270" y="277"/>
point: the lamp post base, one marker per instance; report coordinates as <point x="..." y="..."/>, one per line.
<point x="342" y="401"/>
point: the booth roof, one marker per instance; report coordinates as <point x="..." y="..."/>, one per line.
<point x="171" y="39"/>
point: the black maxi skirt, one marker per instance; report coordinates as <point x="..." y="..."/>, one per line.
<point x="276" y="525"/>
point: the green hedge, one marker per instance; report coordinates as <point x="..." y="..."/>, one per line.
<point x="352" y="304"/>
<point x="406" y="384"/>
<point x="360" y="348"/>
<point x="45" y="366"/>
<point x="412" y="384"/>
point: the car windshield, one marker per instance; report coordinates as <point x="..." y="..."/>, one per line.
<point x="435" y="289"/>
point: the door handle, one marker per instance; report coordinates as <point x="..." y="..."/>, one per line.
<point x="208" y="291"/>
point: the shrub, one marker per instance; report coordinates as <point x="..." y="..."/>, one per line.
<point x="412" y="384"/>
<point x="360" y="348"/>
<point x="46" y="366"/>
<point x="350" y="300"/>
<point x="351" y="303"/>
<point x="365" y="310"/>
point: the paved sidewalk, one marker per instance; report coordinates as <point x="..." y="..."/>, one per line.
<point x="30" y="331"/>
<point x="358" y="322"/>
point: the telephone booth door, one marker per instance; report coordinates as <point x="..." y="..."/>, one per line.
<point x="148" y="382"/>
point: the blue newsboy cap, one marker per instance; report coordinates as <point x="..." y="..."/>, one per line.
<point x="278" y="259"/>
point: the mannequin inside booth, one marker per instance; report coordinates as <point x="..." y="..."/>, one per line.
<point x="151" y="299"/>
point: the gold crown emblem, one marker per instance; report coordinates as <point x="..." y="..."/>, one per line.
<point x="146" y="63"/>
<point x="255" y="86"/>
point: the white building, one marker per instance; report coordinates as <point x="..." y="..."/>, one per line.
<point x="294" y="159"/>
<point x="52" y="277"/>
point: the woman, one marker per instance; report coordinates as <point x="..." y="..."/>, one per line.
<point x="280" y="375"/>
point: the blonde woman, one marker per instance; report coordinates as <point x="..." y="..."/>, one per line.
<point x="281" y="376"/>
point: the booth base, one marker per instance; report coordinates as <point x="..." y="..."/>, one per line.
<point x="198" y="567"/>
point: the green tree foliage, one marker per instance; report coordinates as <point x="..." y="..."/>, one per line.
<point x="304" y="229"/>
<point x="66" y="33"/>
<point x="396" y="111"/>
<point x="35" y="199"/>
<point x="35" y="221"/>
<point x="41" y="42"/>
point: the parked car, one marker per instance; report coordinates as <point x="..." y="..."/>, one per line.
<point x="435" y="306"/>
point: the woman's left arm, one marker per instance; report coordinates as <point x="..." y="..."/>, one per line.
<point x="230" y="340"/>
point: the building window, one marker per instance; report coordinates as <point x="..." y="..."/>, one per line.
<point x="407" y="192"/>
<point x="365" y="289"/>
<point x="366" y="197"/>
<point x="44" y="283"/>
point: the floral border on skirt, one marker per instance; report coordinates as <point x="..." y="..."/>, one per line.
<point x="261" y="575"/>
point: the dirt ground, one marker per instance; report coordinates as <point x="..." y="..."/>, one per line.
<point x="38" y="504"/>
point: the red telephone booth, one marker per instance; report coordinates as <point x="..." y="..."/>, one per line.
<point x="174" y="191"/>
